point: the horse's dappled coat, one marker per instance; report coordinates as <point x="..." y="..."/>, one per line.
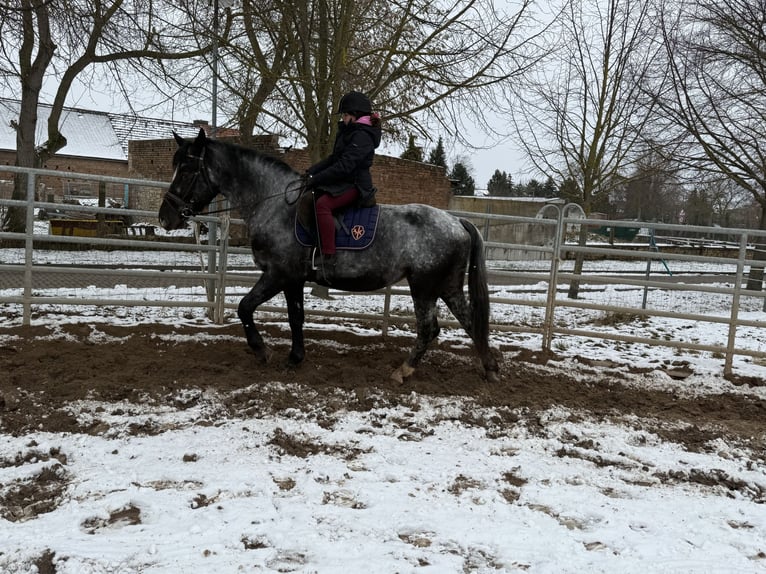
<point x="428" y="247"/>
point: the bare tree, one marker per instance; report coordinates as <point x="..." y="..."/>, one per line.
<point x="580" y="115"/>
<point x="47" y="41"/>
<point x="715" y="106"/>
<point x="424" y="64"/>
<point x="651" y="191"/>
<point x="727" y="199"/>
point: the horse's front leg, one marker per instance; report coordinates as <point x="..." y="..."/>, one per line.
<point x="264" y="289"/>
<point x="295" y="315"/>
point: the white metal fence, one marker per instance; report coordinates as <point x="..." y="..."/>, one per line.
<point x="692" y="274"/>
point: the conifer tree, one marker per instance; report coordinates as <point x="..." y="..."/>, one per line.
<point x="437" y="155"/>
<point x="549" y="188"/>
<point x="500" y="184"/>
<point x="462" y="182"/>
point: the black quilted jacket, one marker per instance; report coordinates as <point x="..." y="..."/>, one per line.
<point x="349" y="164"/>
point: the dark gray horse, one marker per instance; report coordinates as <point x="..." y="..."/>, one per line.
<point x="429" y="247"/>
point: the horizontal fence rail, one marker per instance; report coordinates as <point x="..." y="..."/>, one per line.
<point x="531" y="286"/>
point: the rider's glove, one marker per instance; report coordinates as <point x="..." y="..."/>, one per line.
<point x="307" y="181"/>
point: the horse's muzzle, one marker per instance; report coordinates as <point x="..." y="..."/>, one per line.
<point x="171" y="219"/>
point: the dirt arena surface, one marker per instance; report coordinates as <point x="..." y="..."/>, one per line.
<point x="41" y="371"/>
<point x="78" y="383"/>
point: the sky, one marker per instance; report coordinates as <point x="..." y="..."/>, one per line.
<point x="488" y="156"/>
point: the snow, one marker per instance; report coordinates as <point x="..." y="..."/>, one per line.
<point x="434" y="495"/>
<point x="440" y="501"/>
<point x="401" y="506"/>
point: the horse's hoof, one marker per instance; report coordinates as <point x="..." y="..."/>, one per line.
<point x="264" y="355"/>
<point x="402" y="373"/>
<point x="492" y="377"/>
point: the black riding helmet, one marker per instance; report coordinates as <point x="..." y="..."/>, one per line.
<point x="355" y="103"/>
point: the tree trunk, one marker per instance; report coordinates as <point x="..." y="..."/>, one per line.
<point x="574" y="286"/>
<point x="755" y="277"/>
<point x="26" y="156"/>
<point x="35" y="55"/>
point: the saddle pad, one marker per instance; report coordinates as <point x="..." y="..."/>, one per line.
<point x="357" y="231"/>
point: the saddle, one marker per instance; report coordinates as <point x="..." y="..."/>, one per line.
<point x="354" y="226"/>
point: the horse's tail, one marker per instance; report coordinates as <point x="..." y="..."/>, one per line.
<point x="478" y="290"/>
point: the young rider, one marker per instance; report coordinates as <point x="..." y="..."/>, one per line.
<point x="344" y="176"/>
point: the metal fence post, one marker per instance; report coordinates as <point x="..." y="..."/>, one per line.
<point x="487" y="228"/>
<point x="386" y="310"/>
<point x="28" y="246"/>
<point x="222" y="266"/>
<point x="729" y="359"/>
<point x="212" y="239"/>
<point x="553" y="278"/>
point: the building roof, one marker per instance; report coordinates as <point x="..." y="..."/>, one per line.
<point x="92" y="134"/>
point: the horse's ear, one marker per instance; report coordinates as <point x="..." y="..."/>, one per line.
<point x="200" y="137"/>
<point x="179" y="139"/>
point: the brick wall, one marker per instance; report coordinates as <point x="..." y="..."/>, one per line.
<point x="398" y="181"/>
<point x="151" y="159"/>
<point x="58" y="187"/>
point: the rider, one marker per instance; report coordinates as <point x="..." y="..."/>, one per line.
<point x="344" y="176"/>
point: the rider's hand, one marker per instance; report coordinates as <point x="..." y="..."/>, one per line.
<point x="306" y="181"/>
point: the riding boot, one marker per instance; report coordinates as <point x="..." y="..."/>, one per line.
<point x="328" y="266"/>
<point x="328" y="262"/>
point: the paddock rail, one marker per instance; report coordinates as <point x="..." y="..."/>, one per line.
<point x="696" y="274"/>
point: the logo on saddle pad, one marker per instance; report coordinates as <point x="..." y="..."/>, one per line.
<point x="357" y="232"/>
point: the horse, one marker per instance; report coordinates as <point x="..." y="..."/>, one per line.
<point x="427" y="246"/>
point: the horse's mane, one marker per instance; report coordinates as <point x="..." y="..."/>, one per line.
<point x="243" y="152"/>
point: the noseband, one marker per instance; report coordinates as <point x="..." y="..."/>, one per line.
<point x="186" y="208"/>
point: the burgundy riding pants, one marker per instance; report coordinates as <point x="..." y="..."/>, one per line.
<point x="326" y="204"/>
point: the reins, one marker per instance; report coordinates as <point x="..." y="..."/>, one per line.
<point x="186" y="209"/>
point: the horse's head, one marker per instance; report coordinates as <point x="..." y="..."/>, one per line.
<point x="190" y="189"/>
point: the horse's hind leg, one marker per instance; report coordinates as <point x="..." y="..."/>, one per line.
<point x="458" y="305"/>
<point x="427" y="330"/>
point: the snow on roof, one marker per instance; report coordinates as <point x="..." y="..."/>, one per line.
<point x="92" y="134"/>
<point x="137" y="128"/>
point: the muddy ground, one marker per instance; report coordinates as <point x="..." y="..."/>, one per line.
<point x="43" y="371"/>
<point x="140" y="363"/>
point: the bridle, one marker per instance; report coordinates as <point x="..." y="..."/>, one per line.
<point x="186" y="208"/>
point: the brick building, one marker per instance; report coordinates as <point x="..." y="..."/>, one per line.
<point x="121" y="145"/>
<point x="97" y="143"/>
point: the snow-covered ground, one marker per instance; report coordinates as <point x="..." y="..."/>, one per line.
<point x="439" y="497"/>
<point x="434" y="495"/>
